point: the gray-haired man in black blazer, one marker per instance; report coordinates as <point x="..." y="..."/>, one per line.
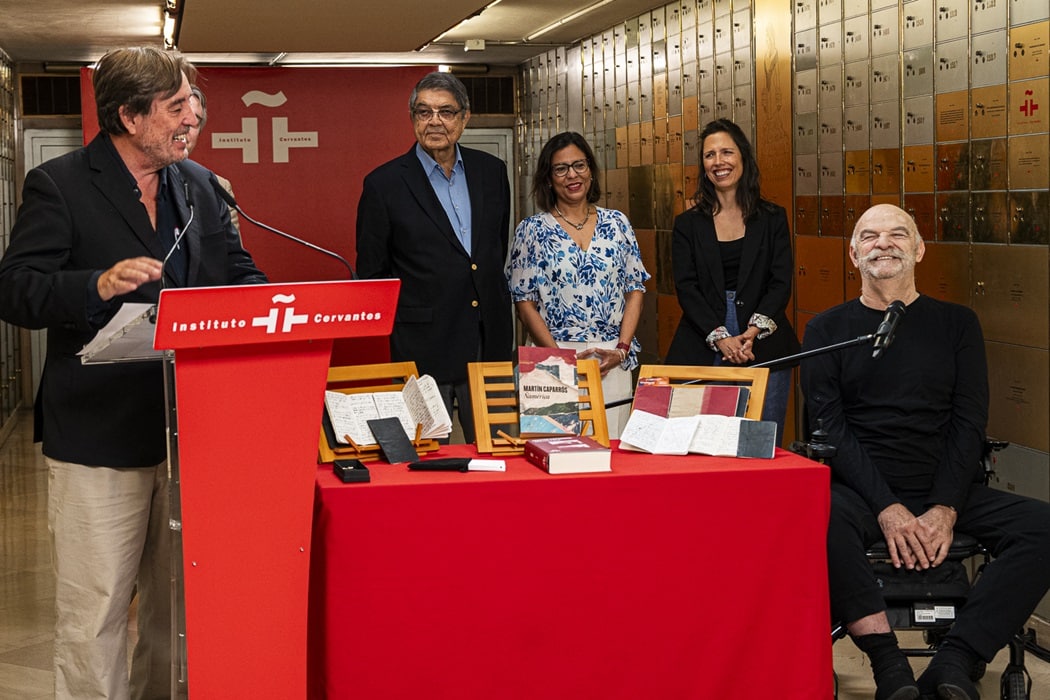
<point x="437" y="219"/>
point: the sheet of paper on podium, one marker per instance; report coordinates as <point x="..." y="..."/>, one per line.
<point x="128" y="337"/>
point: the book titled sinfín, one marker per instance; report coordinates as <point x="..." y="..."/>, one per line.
<point x="572" y="454"/>
<point x="548" y="392"/>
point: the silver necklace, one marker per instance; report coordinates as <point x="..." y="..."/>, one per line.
<point x="579" y="226"/>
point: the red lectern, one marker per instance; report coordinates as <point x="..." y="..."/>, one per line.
<point x="249" y="378"/>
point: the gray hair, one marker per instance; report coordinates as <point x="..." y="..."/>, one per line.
<point x="441" y="81"/>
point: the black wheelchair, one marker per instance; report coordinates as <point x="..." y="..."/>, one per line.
<point x="928" y="600"/>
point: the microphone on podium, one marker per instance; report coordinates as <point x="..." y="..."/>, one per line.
<point x="884" y="333"/>
<point x="228" y="198"/>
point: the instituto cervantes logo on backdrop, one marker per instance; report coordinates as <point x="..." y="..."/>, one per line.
<point x="247" y="140"/>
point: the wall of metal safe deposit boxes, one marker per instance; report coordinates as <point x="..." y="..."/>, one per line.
<point x="940" y="106"/>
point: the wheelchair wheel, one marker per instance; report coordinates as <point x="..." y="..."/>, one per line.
<point x="1015" y="684"/>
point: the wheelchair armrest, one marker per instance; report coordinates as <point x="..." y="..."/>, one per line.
<point x="963" y="547"/>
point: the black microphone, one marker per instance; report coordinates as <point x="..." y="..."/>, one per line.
<point x="179" y="232"/>
<point x="884" y="334"/>
<point x="228" y="198"/>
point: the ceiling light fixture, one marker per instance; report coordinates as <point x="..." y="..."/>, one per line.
<point x="569" y="18"/>
<point x="172" y="19"/>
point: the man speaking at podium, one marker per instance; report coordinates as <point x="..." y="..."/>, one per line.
<point x="437" y="218"/>
<point x="908" y="422"/>
<point x="110" y="223"/>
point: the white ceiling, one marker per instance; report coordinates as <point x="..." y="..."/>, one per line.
<point x="307" y="32"/>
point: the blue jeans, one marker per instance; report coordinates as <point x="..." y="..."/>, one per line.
<point x="778" y="388"/>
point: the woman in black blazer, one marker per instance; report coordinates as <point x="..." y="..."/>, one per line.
<point x="731" y="255"/>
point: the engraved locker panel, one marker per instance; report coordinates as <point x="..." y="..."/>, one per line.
<point x="1029" y="165"/>
<point x="856" y="33"/>
<point x="634" y="144"/>
<point x="724" y="104"/>
<point x="855" y="128"/>
<point x="658" y="23"/>
<point x="806" y="215"/>
<point x="723" y="33"/>
<point x="829" y="129"/>
<point x="818" y="273"/>
<point x="952" y="16"/>
<point x="1017" y="400"/>
<point x="990" y="59"/>
<point x="691" y="180"/>
<point x="953" y="216"/>
<point x="918" y="71"/>
<point x="1029" y="101"/>
<point x="610" y="150"/>
<point x="884" y="79"/>
<point x="832" y="213"/>
<point x="646" y="155"/>
<point x="829" y="11"/>
<point x="885" y="125"/>
<point x="673" y="49"/>
<point x="944" y="272"/>
<point x="668" y="315"/>
<point x="1028" y="50"/>
<point x="953" y="166"/>
<point x="691" y="147"/>
<point x="988" y="167"/>
<point x="741" y="28"/>
<point x="990" y="217"/>
<point x="742" y="108"/>
<point x="722" y="7"/>
<point x="918" y="120"/>
<point x="622" y="159"/>
<point x="1011" y="294"/>
<point x="723" y="71"/>
<point x="1025" y="11"/>
<point x="630" y="35"/>
<point x="831" y="175"/>
<point x="679" y="205"/>
<point x="886" y="170"/>
<point x="659" y="140"/>
<point x="923" y="209"/>
<point x="572" y="80"/>
<point x="807" y="177"/>
<point x="674" y="139"/>
<point x="858" y="172"/>
<point x="620" y="106"/>
<point x="830" y="87"/>
<point x="919" y="168"/>
<point x="829" y="43"/>
<point x="953" y="116"/>
<point x="884" y="32"/>
<point x="663" y="197"/>
<point x="742" y="66"/>
<point x="853" y="206"/>
<point x="918" y="23"/>
<point x="855" y="84"/>
<point x="687" y="15"/>
<point x="854" y="8"/>
<point x="616" y="187"/>
<point x="1030" y="217"/>
<point x="705" y="77"/>
<point x="705" y="10"/>
<point x="806" y="49"/>
<point x="690" y="115"/>
<point x="805" y="14"/>
<point x="705" y="39"/>
<point x="952" y="66"/>
<point x="645" y="29"/>
<point x="662" y="100"/>
<point x="1025" y="472"/>
<point x="805" y="133"/>
<point x="674" y="92"/>
<point x="806" y="91"/>
<point x="986" y="15"/>
<point x="988" y="112"/>
<point x="640" y="186"/>
<point x="851" y="281"/>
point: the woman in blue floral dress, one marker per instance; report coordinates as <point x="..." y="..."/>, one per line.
<point x="575" y="272"/>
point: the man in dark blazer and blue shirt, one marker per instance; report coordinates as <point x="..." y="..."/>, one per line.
<point x="91" y="234"/>
<point x="437" y="219"/>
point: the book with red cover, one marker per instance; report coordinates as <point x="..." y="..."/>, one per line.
<point x="572" y="454"/>
<point x="670" y="401"/>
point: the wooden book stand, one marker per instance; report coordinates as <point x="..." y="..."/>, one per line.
<point x="494" y="395"/>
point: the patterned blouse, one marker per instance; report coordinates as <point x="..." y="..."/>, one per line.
<point x="580" y="294"/>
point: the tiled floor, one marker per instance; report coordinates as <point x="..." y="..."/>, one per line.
<point x="27" y="589"/>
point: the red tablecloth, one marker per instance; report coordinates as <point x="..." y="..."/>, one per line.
<point x="670" y="578"/>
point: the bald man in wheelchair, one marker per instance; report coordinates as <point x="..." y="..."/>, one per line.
<point x="909" y="428"/>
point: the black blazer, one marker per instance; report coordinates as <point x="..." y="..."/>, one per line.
<point x="79" y="216"/>
<point x="763" y="284"/>
<point x="452" y="306"/>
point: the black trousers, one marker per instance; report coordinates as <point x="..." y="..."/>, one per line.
<point x="1015" y="529"/>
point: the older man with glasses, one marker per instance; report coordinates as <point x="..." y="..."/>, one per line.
<point x="437" y="218"/>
